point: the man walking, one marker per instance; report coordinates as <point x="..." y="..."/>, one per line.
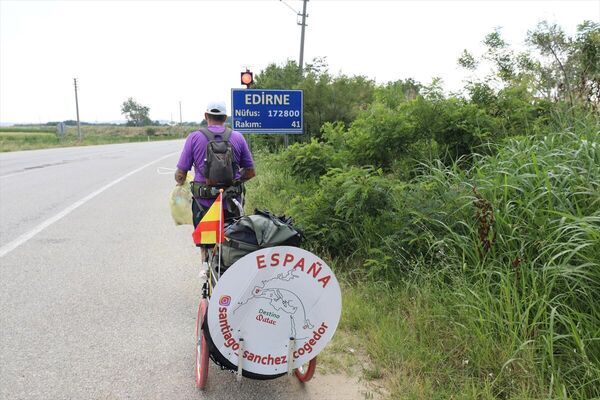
<point x="221" y="160"/>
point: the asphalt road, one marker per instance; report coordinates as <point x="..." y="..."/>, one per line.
<point x="98" y="288"/>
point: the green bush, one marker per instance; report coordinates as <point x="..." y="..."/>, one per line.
<point x="384" y="137"/>
<point x="380" y="135"/>
<point x="460" y="127"/>
<point x="348" y="211"/>
<point x="309" y="160"/>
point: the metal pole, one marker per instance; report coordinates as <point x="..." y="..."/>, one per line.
<point x="77" y="108"/>
<point x="180" y="119"/>
<point x="302" y="36"/>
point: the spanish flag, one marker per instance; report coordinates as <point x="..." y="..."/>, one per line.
<point x="210" y="228"/>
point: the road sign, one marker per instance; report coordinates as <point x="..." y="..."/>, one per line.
<point x="267" y="111"/>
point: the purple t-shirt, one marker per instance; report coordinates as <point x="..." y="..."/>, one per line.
<point x="194" y="151"/>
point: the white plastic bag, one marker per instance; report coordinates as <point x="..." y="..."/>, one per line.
<point x="180" y="202"/>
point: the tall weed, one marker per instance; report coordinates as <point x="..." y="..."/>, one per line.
<point x="503" y="257"/>
<point x="532" y="281"/>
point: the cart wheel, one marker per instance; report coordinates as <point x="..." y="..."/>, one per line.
<point x="305" y="372"/>
<point x="201" y="347"/>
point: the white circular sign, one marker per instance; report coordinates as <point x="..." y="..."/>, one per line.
<point x="268" y="297"/>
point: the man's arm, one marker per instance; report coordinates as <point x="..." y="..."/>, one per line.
<point x="247" y="174"/>
<point x="180" y="176"/>
<point x="186" y="160"/>
<point x="245" y="162"/>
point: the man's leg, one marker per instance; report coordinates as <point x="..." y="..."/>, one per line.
<point x="197" y="213"/>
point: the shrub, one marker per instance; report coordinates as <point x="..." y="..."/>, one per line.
<point x="349" y="210"/>
<point x="309" y="160"/>
<point x="380" y="136"/>
<point x="460" y="127"/>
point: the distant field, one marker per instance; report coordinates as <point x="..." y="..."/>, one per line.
<point x="36" y="137"/>
<point x="15" y="129"/>
<point x="14" y="139"/>
<point x="20" y="134"/>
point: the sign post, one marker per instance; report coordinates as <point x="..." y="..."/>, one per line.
<point x="60" y="130"/>
<point x="267" y="111"/>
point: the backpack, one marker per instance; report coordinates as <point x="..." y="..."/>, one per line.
<point x="218" y="161"/>
<point x="257" y="231"/>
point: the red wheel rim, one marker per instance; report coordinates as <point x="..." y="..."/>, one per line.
<point x="201" y="366"/>
<point x="306" y="372"/>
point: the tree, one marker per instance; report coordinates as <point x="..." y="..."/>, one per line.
<point x="587" y="45"/>
<point x="556" y="67"/>
<point x="326" y="98"/>
<point x="571" y="65"/>
<point x="136" y="114"/>
<point x="392" y="94"/>
<point x="551" y="42"/>
<point x="276" y="77"/>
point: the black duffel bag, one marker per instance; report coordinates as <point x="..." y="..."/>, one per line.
<point x="257" y="231"/>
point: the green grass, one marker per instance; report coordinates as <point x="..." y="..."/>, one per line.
<point x="411" y="336"/>
<point x="274" y="188"/>
<point x="25" y="140"/>
<point x="519" y="249"/>
<point x="537" y="289"/>
<point x="30" y="138"/>
<point x="490" y="288"/>
<point x="18" y="129"/>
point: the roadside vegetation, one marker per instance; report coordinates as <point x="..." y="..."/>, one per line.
<point x="16" y="138"/>
<point x="465" y="228"/>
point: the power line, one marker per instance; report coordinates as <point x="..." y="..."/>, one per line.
<point x="290" y="7"/>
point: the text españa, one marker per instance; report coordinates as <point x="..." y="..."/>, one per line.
<point x="289" y="259"/>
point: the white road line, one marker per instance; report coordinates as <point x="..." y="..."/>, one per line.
<point x="7" y="248"/>
<point x="13" y="174"/>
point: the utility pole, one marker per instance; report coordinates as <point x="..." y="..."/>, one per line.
<point x="180" y="119"/>
<point x="304" y="15"/>
<point x="77" y="108"/>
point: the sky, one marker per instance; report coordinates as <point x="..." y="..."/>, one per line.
<point x="167" y="53"/>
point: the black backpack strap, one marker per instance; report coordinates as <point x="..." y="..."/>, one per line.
<point x="226" y="134"/>
<point x="211" y="135"/>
